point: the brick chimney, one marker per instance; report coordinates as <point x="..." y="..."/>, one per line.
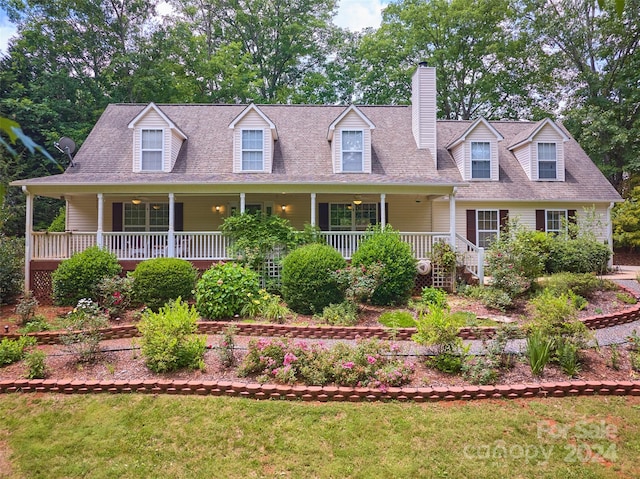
<point x="424" y="108"/>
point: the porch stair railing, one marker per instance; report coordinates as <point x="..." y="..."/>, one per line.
<point x="471" y="257"/>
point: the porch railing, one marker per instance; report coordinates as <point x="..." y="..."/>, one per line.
<point x="212" y="245"/>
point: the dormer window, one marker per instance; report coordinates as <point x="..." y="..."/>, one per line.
<point x="152" y="150"/>
<point x="480" y="160"/>
<point x="547" y="161"/>
<point x="252" y="150"/>
<point x="352" y="150"/>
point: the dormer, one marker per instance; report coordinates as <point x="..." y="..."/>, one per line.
<point x="540" y="151"/>
<point x="253" y="137"/>
<point x="476" y="152"/>
<point x="350" y="137"/>
<point x="156" y="141"/>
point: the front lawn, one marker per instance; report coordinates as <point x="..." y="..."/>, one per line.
<point x="125" y="436"/>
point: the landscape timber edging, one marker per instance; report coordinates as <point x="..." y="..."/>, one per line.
<point x="323" y="393"/>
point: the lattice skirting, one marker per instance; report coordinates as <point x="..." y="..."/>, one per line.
<point x="41" y="286"/>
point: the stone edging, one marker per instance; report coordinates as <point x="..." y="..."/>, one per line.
<point x="324" y="393"/>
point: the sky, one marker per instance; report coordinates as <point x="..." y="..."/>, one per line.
<point x="352" y="14"/>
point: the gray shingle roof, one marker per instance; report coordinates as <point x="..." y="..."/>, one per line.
<point x="303" y="155"/>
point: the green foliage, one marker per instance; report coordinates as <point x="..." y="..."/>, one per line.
<point x="625" y="220"/>
<point x="308" y="282"/>
<point x="82" y="330"/>
<point x="568" y="356"/>
<point x="491" y="297"/>
<point x="224" y="289"/>
<point x="115" y="294"/>
<point x="397" y="279"/>
<point x="58" y="224"/>
<point x="36" y="365"/>
<point x="11" y="267"/>
<point x="369" y="363"/>
<point x="360" y="282"/>
<point x="78" y="277"/>
<point x="168" y="339"/>
<point x="341" y="314"/>
<point x="626" y="298"/>
<point x="614" y="359"/>
<point x="13" y="350"/>
<point x="160" y="280"/>
<point x="26" y="307"/>
<point x="397" y="319"/>
<point x="226" y="347"/>
<point x="514" y="260"/>
<point x="583" y="284"/>
<point x="580" y="255"/>
<point x="36" y="324"/>
<point x="442" y="254"/>
<point x="538" y="352"/>
<point x="266" y="305"/>
<point x="434" y="296"/>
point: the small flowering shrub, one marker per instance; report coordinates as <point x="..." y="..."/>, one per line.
<point x="341" y="314"/>
<point x="82" y="327"/>
<point x="160" y="280"/>
<point x="359" y="282"/>
<point x="369" y="363"/>
<point x="13" y="350"/>
<point x="224" y="289"/>
<point x="168" y="339"/>
<point x="226" y="347"/>
<point x="266" y="305"/>
<point x="114" y="295"/>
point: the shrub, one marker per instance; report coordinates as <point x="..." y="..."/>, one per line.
<point x="160" y="280"/>
<point x="341" y="314"/>
<point x="226" y="347"/>
<point x="82" y="327"/>
<point x="11" y="267"/>
<point x="434" y="296"/>
<point x="582" y="284"/>
<point x="308" y="282"/>
<point x="579" y="255"/>
<point x="36" y="324"/>
<point x="168" y="339"/>
<point x="224" y="289"/>
<point x="78" y="276"/>
<point x="36" y="366"/>
<point x="359" y="282"/>
<point x="13" y="350"/>
<point x="26" y="308"/>
<point x="491" y="297"/>
<point x="538" y="351"/>
<point x="398" y="276"/>
<point x="115" y="295"/>
<point x="397" y="319"/>
<point x="58" y="224"/>
<point x="266" y="305"/>
<point x="568" y="356"/>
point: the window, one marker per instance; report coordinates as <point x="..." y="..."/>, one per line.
<point x="252" y="150"/>
<point x="480" y="160"/>
<point x="556" y="221"/>
<point x="488" y="227"/>
<point x="352" y="151"/>
<point x="152" y="149"/>
<point x="352" y="217"/>
<point x="547" y="161"/>
<point x="146" y="217"/>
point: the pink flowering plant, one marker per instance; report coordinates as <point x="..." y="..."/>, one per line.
<point x="368" y="363"/>
<point x="114" y="295"/>
<point x="359" y="282"/>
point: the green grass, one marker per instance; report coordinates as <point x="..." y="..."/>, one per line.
<point x="397" y="319"/>
<point x="55" y="436"/>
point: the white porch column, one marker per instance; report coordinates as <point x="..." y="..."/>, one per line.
<point x="28" y="240"/>
<point x="383" y="211"/>
<point x="99" y="237"/>
<point x="171" y="240"/>
<point x="313" y="209"/>
<point x="610" y="235"/>
<point x="242" y="202"/>
<point x="452" y="217"/>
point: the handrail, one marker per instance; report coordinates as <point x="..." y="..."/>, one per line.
<point x="472" y="257"/>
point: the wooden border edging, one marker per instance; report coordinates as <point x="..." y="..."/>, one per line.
<point x="324" y="393"/>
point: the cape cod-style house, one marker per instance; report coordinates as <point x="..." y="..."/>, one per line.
<point x="158" y="180"/>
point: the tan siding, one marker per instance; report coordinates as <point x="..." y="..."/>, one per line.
<point x="548" y="135"/>
<point x="252" y="121"/>
<point x="458" y="153"/>
<point x="151" y="121"/>
<point x="482" y="133"/>
<point x="176" y="144"/>
<point x="424" y="109"/>
<point x="82" y="213"/>
<point x="523" y="155"/>
<point x="352" y="121"/>
<point x="405" y="214"/>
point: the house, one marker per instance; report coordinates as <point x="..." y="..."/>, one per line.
<point x="158" y="180"/>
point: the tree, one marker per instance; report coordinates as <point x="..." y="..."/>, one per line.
<point x="626" y="222"/>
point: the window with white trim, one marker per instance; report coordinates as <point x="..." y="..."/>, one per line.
<point x="152" y="147"/>
<point x="547" y="161"/>
<point x="352" y="217"/>
<point x="252" y="150"/>
<point x="352" y="150"/>
<point x="487" y="227"/>
<point x="556" y="221"/>
<point x="146" y="217"/>
<point x="480" y="160"/>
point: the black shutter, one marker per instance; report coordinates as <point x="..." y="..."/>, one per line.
<point x="541" y="220"/>
<point x="323" y="216"/>
<point x="178" y="217"/>
<point x="571" y="217"/>
<point x="471" y="226"/>
<point x="116" y="217"/>
<point x="504" y="219"/>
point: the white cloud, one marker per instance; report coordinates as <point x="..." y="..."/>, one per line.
<point x="358" y="14"/>
<point x="6" y="32"/>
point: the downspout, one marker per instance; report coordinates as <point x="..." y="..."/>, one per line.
<point x="452" y="217"/>
<point x="28" y="240"/>
<point x="610" y="234"/>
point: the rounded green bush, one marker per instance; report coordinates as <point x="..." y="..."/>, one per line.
<point x="308" y="283"/>
<point x="399" y="271"/>
<point x="577" y="256"/>
<point x="78" y="277"/>
<point x="224" y="289"/>
<point x="11" y="267"/>
<point x="160" y="280"/>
